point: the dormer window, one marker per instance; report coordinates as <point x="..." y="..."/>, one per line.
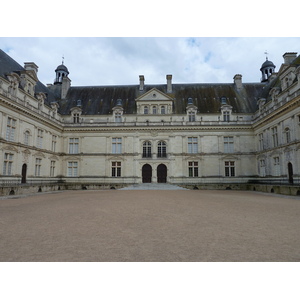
<point x="118" y="117"/>
<point x="76" y="118"/>
<point x="192" y="116"/>
<point x="226" y="116"/>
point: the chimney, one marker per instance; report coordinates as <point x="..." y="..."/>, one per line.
<point x="289" y="57"/>
<point x="169" y="83"/>
<point x="31" y="66"/>
<point x="142" y="79"/>
<point x="238" y="81"/>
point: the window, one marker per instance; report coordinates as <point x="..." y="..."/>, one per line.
<point x="53" y="145"/>
<point x="228" y="144"/>
<point x="192" y="145"/>
<point x="26" y="137"/>
<point x="226" y="116"/>
<point x="10" y="129"/>
<point x="154" y="110"/>
<point x="193" y="169"/>
<point x="192" y="116"/>
<point x="52" y="168"/>
<point x="163" y="110"/>
<point x="38" y="164"/>
<point x="162" y="149"/>
<point x="116" y="145"/>
<point x="116" y="169"/>
<point x="8" y="162"/>
<point x="118" y="117"/>
<point x="76" y="118"/>
<point x="40" y="138"/>
<point x="276" y="166"/>
<point x="73" y="145"/>
<point x="146" y="110"/>
<point x="229" y="169"/>
<point x="287" y="133"/>
<point x="147" y="149"/>
<point x="261" y="141"/>
<point x="275" y="136"/>
<point x="262" y="167"/>
<point x="72" y="168"/>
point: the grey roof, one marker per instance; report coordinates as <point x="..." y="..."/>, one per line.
<point x="267" y="63"/>
<point x="62" y="68"/>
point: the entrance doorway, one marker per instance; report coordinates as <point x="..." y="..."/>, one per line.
<point x="147" y="173"/>
<point x="161" y="173"/>
<point x="290" y="171"/>
<point x="24" y="173"/>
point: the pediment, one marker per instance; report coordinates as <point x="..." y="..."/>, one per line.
<point x="154" y="95"/>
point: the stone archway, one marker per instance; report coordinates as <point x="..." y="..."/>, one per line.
<point x="290" y="173"/>
<point x="162" y="173"/>
<point x="24" y="173"/>
<point x="147" y="173"/>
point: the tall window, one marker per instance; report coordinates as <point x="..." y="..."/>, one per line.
<point x="38" y="165"/>
<point x="40" y="138"/>
<point x="8" y="162"/>
<point x="76" y="118"/>
<point x="275" y="136"/>
<point x="52" y="168"/>
<point x="26" y="137"/>
<point x="53" y="145"/>
<point x="154" y="110"/>
<point x="116" y="145"/>
<point x="261" y="141"/>
<point x="162" y="149"/>
<point x="10" y="129"/>
<point x="229" y="169"/>
<point x="276" y="166"/>
<point x="73" y="145"/>
<point x="192" y="116"/>
<point x="192" y="145"/>
<point x="163" y="110"/>
<point x="287" y="134"/>
<point x="193" y="169"/>
<point x="226" y="116"/>
<point x="147" y="149"/>
<point x="118" y="117"/>
<point x="262" y="167"/>
<point x="72" y="168"/>
<point x="116" y="169"/>
<point x="146" y="110"/>
<point x="228" y="144"/>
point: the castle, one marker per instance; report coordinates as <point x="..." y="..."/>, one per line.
<point x="189" y="134"/>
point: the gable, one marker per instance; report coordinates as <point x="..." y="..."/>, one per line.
<point x="154" y="95"/>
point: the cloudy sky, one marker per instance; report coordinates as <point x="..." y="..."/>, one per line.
<point x="120" y="60"/>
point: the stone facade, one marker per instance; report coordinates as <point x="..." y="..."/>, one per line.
<point x="186" y="134"/>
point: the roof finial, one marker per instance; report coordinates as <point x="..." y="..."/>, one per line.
<point x="63" y="59"/>
<point x="266" y="54"/>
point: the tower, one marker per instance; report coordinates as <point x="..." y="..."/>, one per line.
<point x="267" y="69"/>
<point x="61" y="72"/>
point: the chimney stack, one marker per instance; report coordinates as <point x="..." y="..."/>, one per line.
<point x="289" y="57"/>
<point x="31" y="66"/>
<point x="238" y="81"/>
<point x="169" y="83"/>
<point x="142" y="79"/>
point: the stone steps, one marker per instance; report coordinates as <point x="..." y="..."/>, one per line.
<point x="153" y="186"/>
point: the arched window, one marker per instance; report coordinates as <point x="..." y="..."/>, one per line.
<point x="26" y="137"/>
<point x="162" y="149"/>
<point x="287" y="135"/>
<point x="147" y="149"/>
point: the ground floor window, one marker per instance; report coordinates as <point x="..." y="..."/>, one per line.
<point x="262" y="167"/>
<point x="72" y="168"/>
<point x="52" y="168"/>
<point x="38" y="165"/>
<point x="8" y="162"/>
<point x="193" y="169"/>
<point x="229" y="169"/>
<point x="116" y="169"/>
<point x="276" y="166"/>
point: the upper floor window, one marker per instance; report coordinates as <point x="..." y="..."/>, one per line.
<point x="10" y="129"/>
<point x="287" y="134"/>
<point x="275" y="136"/>
<point x="228" y="144"/>
<point x="226" y="116"/>
<point x="53" y="145"/>
<point x="147" y="149"/>
<point x="146" y="110"/>
<point x="118" y="117"/>
<point x="261" y="141"/>
<point x="154" y="110"/>
<point x="76" y="118"/>
<point x="73" y="145"/>
<point x="192" y="145"/>
<point x="40" y="136"/>
<point x="192" y="116"/>
<point x="26" y="137"/>
<point x="162" y="149"/>
<point x="116" y="145"/>
<point x="163" y="110"/>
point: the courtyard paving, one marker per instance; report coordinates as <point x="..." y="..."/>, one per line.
<point x="152" y="225"/>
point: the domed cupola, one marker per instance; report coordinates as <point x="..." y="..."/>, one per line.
<point x="267" y="69"/>
<point x="61" y="72"/>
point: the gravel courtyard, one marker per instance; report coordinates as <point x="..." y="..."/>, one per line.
<point x="156" y="225"/>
